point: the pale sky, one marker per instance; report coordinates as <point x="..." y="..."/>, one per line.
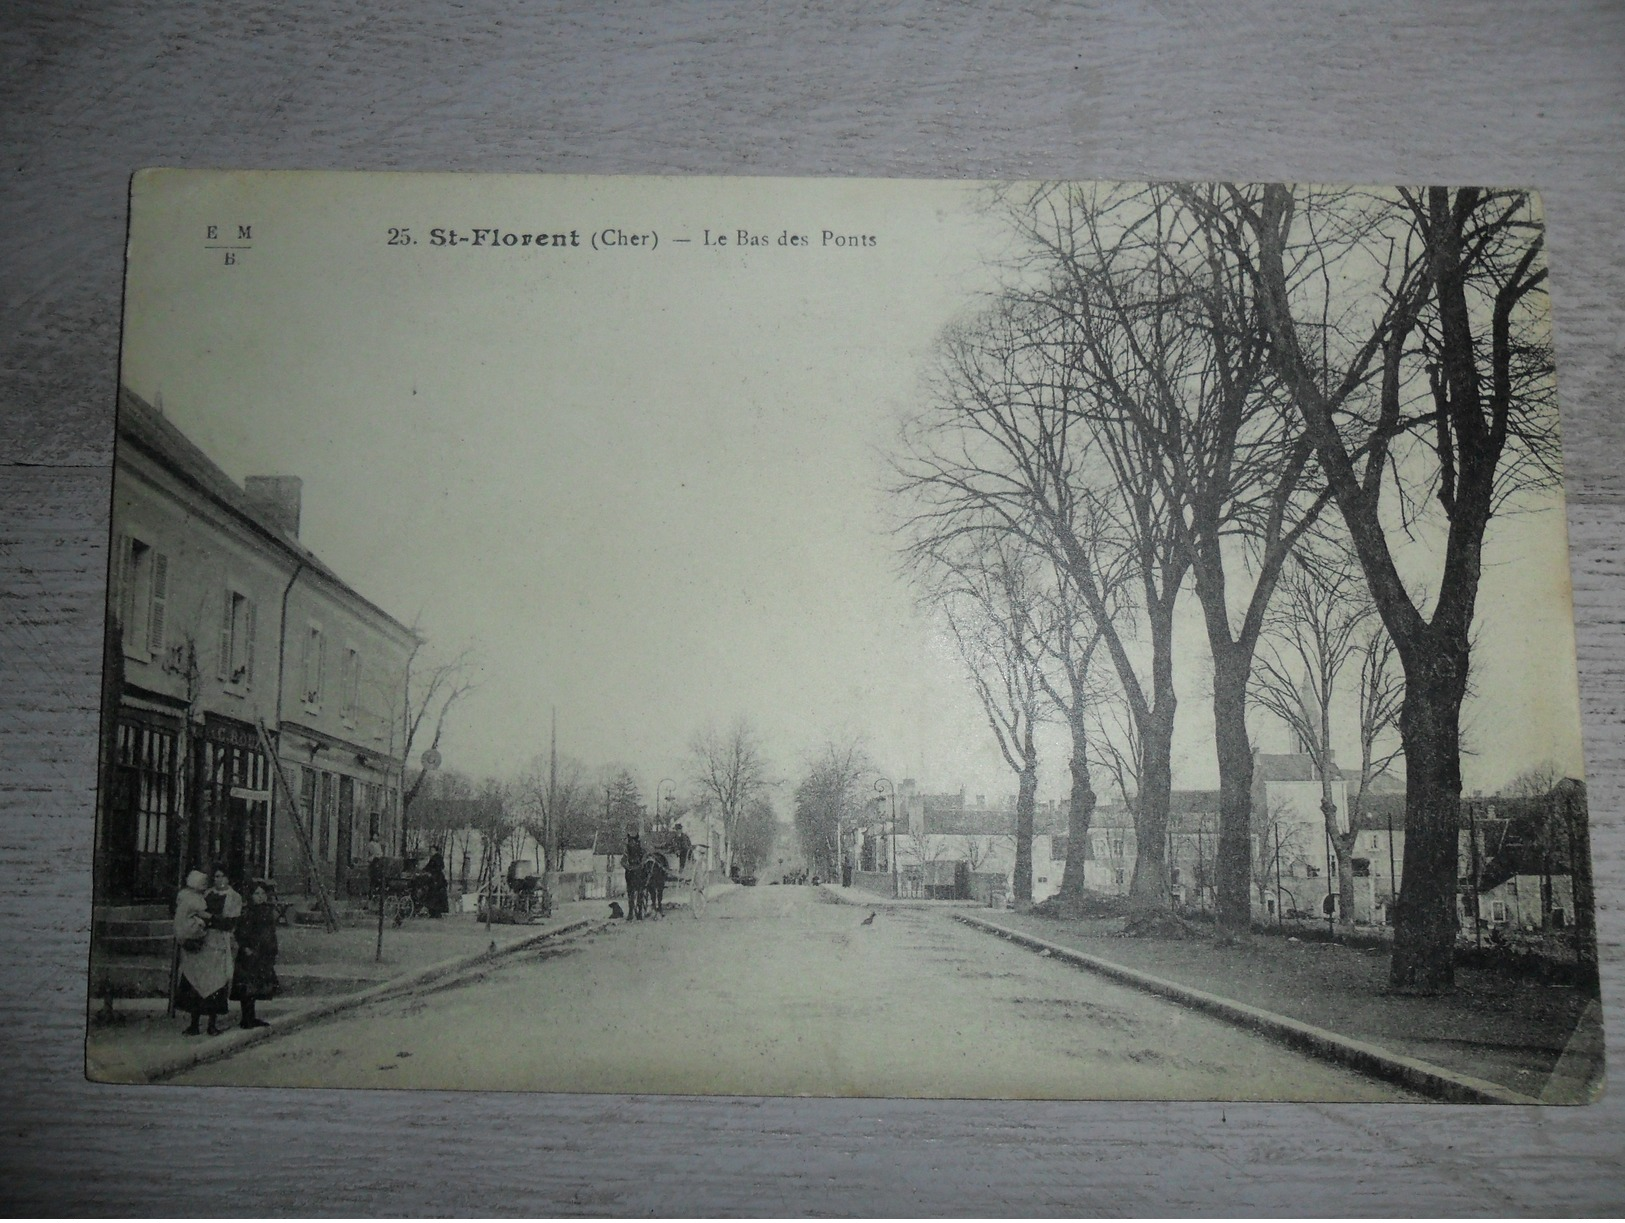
<point x="645" y="482"/>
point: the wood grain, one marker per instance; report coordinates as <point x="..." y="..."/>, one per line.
<point x="1451" y="92"/>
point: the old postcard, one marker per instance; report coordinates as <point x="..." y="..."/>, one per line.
<point x="828" y="637"/>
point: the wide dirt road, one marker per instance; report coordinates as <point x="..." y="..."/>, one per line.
<point x="775" y="992"/>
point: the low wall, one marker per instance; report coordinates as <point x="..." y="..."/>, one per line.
<point x="880" y="883"/>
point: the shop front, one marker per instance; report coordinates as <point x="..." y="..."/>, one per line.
<point x="231" y="826"/>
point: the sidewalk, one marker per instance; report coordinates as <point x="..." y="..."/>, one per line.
<point x="1522" y="1041"/>
<point x="320" y="973"/>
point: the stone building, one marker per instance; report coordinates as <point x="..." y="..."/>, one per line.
<point x="221" y="623"/>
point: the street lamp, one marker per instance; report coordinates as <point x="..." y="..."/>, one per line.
<point x="884" y="789"/>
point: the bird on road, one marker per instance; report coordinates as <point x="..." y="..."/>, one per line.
<point x="868" y="921"/>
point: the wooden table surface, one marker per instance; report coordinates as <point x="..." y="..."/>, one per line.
<point x="1456" y="92"/>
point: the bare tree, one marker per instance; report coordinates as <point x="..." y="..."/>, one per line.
<point x="1324" y="619"/>
<point x="1433" y="386"/>
<point x="1381" y="694"/>
<point x="1160" y="329"/>
<point x="999" y="448"/>
<point x="924" y="848"/>
<point x="1278" y="842"/>
<point x="827" y="802"/>
<point x="979" y="852"/>
<point x="728" y="768"/>
<point x="1070" y="638"/>
<point x="553" y="801"/>
<point x="986" y="591"/>
<point x="429" y="692"/>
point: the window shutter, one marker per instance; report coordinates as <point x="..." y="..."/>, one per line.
<point x="248" y="641"/>
<point x="122" y="577"/>
<point x="225" y="635"/>
<point x="160" y="597"/>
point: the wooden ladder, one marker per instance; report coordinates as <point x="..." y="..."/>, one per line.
<point x="329" y="914"/>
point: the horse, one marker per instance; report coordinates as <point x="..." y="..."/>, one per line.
<point x="632" y="863"/>
<point x="655" y="873"/>
<point x="646" y="875"/>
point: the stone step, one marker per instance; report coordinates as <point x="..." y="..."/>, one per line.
<point x="130" y="913"/>
<point x="100" y="928"/>
<point x="130" y="978"/>
<point x="147" y="943"/>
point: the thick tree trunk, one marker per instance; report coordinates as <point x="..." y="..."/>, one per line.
<point x="1148" y="889"/>
<point x="1080" y="809"/>
<point x="1026" y="798"/>
<point x="1233" y="866"/>
<point x="1425" y="916"/>
<point x="1343" y="847"/>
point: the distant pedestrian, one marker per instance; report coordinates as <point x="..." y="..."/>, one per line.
<point x="206" y="955"/>
<point x="685" y="847"/>
<point x="435" y="892"/>
<point x="375" y="863"/>
<point x="255" y="978"/>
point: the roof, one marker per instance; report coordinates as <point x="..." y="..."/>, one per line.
<point x="1379" y="811"/>
<point x="989" y="822"/>
<point x="1193" y="802"/>
<point x="1528" y="843"/>
<point x="148" y="430"/>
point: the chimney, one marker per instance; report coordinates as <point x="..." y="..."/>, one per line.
<point x="275" y="501"/>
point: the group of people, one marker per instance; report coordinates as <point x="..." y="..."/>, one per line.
<point x="228" y="949"/>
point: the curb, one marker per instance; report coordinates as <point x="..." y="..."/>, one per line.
<point x="1422" y="1077"/>
<point x="858" y="898"/>
<point x="235" y="1042"/>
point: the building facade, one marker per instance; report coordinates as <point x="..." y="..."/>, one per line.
<point x="227" y="637"/>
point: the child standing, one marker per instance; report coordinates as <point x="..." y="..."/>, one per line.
<point x="255" y="978"/>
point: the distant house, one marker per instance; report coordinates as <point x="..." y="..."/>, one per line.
<point x="1518" y="861"/>
<point x="221" y="622"/>
<point x="1516" y="850"/>
<point x="948" y="846"/>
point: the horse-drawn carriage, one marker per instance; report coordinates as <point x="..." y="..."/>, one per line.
<point x="669" y="857"/>
<point x="522" y="896"/>
<point x="405" y="889"/>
